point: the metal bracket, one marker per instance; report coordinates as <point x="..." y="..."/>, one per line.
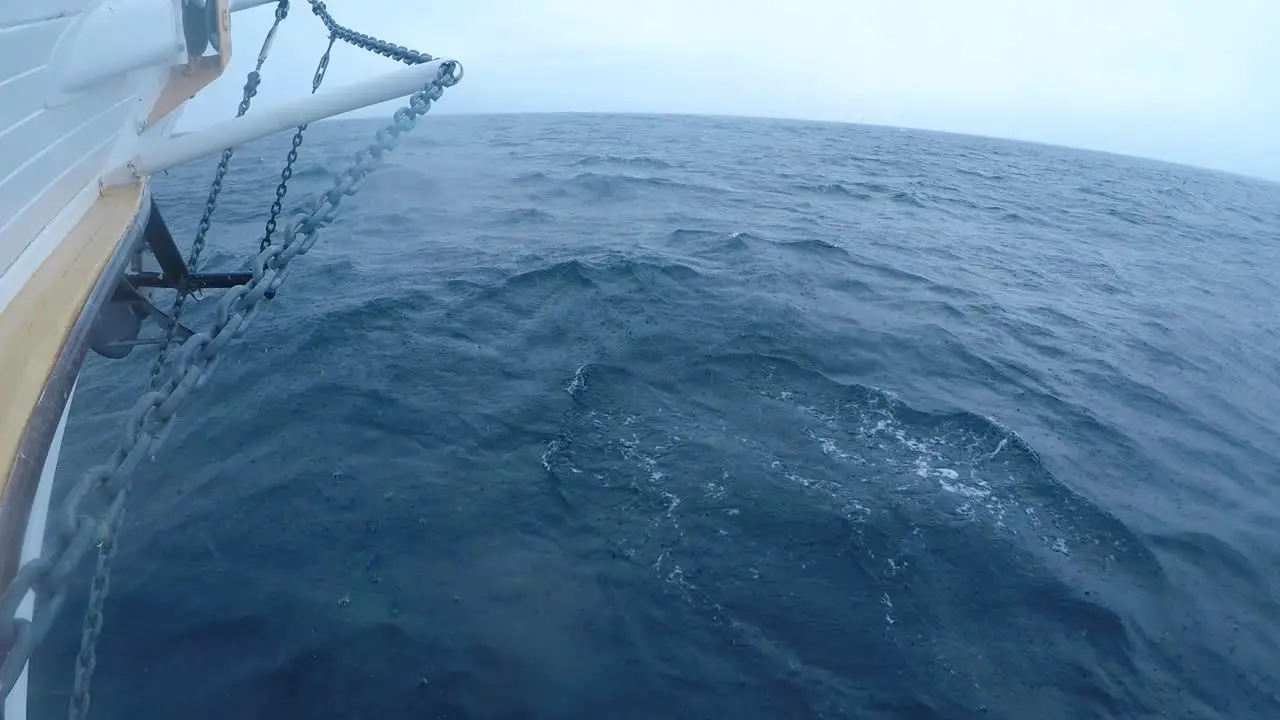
<point x="174" y="272"/>
<point x="119" y="321"/>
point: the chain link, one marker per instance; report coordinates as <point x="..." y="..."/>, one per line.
<point x="368" y="42"/>
<point x="149" y="421"/>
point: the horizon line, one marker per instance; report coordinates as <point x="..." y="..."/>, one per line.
<point x="364" y="115"/>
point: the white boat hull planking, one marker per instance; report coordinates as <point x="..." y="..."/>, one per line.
<point x="77" y="80"/>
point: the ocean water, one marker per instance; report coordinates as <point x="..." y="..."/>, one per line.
<point x="626" y="417"/>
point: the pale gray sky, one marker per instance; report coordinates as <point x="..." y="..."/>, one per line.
<point x="1192" y="81"/>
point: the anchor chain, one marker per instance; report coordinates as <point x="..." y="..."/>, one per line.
<point x="152" y="416"/>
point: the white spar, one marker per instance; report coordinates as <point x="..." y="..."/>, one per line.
<point x="175" y="151"/>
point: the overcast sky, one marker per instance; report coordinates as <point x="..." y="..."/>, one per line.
<point x="1194" y="81"/>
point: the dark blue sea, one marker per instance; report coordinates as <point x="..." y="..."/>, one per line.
<point x="620" y="417"/>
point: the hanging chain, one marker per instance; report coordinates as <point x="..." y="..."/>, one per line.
<point x="292" y="157"/>
<point x="100" y="585"/>
<point x="148" y="423"/>
<point x="368" y="42"/>
<point x="336" y="32"/>
<point x="197" y="246"/>
<point x="91" y="627"/>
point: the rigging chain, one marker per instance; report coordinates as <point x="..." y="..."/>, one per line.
<point x="372" y="44"/>
<point x="347" y="35"/>
<point x="292" y="157"/>
<point x="251" y="83"/>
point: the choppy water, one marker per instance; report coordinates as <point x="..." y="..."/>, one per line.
<point x="640" y="417"/>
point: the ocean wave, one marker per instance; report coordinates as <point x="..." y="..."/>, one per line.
<point x="714" y="244"/>
<point x="523" y="216"/>
<point x="814" y="245"/>
<point x="837" y="189"/>
<point x="611" y="185"/>
<point x="536" y="177"/>
<point x="617" y="273"/>
<point x="912" y="492"/>
<point x="974" y="467"/>
<point x="711" y="421"/>
<point x="644" y="161"/>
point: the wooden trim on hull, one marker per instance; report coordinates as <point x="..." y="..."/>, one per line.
<point x="44" y="337"/>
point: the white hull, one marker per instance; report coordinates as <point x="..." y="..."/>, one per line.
<point x="15" y="706"/>
<point x="62" y="127"/>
